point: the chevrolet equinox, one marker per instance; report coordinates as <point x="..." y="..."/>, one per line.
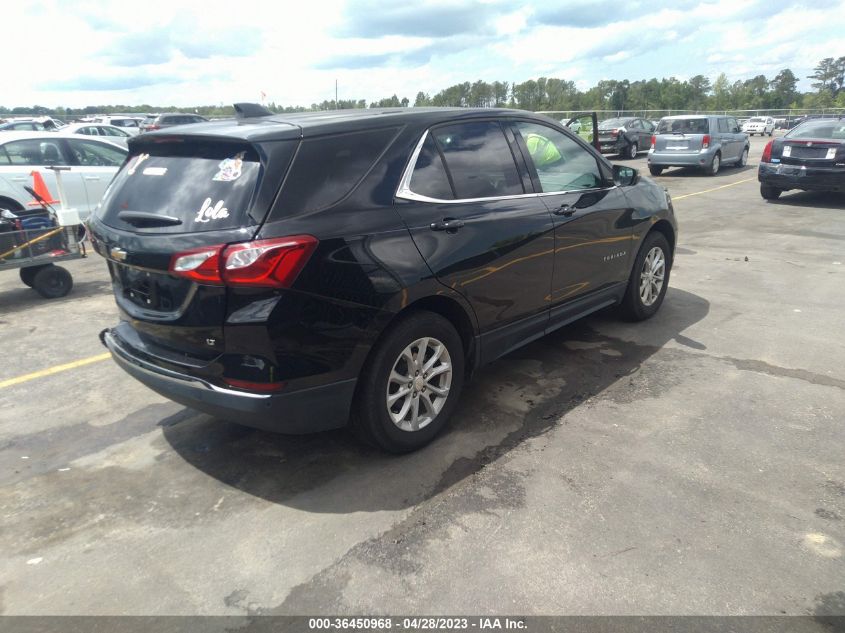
<point x="299" y="272"/>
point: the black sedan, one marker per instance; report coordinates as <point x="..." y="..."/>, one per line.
<point x="625" y="136"/>
<point x="810" y="157"/>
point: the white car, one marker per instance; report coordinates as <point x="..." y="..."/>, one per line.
<point x="130" y="124"/>
<point x="21" y="124"/>
<point x="761" y="125"/>
<point x="108" y="132"/>
<point x="92" y="165"/>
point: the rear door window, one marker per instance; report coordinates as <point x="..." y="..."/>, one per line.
<point x="479" y="160"/>
<point x="723" y="125"/>
<point x="207" y="186"/>
<point x="32" y="152"/>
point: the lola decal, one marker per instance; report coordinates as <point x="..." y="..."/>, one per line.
<point x="229" y="169"/>
<point x="208" y="213"/>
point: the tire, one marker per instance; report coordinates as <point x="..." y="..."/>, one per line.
<point x="655" y="171"/>
<point x="713" y="168"/>
<point x="769" y="192"/>
<point x="373" y="413"/>
<point x="772" y="132"/>
<point x="636" y="307"/>
<point x="743" y="158"/>
<point x="28" y="274"/>
<point x="52" y="282"/>
<point x="631" y="151"/>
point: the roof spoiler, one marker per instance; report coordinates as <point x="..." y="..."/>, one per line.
<point x="250" y="110"/>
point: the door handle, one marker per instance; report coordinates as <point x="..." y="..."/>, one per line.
<point x="564" y="210"/>
<point x="19" y="178"/>
<point x="91" y="177"/>
<point x="447" y="224"/>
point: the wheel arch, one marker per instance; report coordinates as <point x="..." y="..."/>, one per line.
<point x="665" y="227"/>
<point x="13" y="205"/>
<point x="450" y="308"/>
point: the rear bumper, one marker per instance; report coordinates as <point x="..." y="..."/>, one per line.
<point x="302" y="411"/>
<point x="612" y="146"/>
<point x="808" y="179"/>
<point x="679" y="159"/>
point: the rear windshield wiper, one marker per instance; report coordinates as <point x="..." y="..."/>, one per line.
<point x="142" y="218"/>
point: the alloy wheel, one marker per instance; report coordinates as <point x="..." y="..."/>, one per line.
<point x="652" y="275"/>
<point x="419" y="384"/>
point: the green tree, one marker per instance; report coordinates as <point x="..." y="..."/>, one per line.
<point x="829" y="75"/>
<point x="783" y="89"/>
<point x="699" y="88"/>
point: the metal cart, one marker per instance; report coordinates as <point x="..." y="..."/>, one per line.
<point x="33" y="241"/>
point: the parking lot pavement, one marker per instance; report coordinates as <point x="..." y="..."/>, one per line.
<point x="689" y="464"/>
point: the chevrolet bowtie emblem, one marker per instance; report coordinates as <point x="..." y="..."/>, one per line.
<point x="118" y="254"/>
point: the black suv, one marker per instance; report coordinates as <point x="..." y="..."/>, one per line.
<point x="295" y="272"/>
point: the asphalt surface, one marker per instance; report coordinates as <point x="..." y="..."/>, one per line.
<point x="692" y="464"/>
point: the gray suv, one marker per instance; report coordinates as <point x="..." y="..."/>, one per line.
<point x="159" y="121"/>
<point x="698" y="140"/>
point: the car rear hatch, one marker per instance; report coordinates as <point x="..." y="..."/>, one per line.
<point x="683" y="136"/>
<point x="176" y="194"/>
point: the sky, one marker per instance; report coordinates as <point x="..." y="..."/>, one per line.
<point x="73" y="53"/>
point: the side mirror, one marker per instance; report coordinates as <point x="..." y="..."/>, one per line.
<point x="625" y="176"/>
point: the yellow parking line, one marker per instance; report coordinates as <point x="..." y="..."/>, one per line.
<point x="54" y="370"/>
<point x="698" y="193"/>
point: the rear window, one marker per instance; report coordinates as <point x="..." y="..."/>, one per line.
<point x="208" y="186"/>
<point x="683" y="126"/>
<point x="819" y="129"/>
<point x="326" y="169"/>
<point x="609" y="123"/>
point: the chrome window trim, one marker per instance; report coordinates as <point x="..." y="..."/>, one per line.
<point x="404" y="191"/>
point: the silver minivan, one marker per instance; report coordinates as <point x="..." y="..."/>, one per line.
<point x="697" y="140"/>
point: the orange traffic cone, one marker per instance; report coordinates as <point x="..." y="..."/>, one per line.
<point x="41" y="189"/>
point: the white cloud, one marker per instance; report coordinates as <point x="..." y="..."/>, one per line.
<point x="206" y="52"/>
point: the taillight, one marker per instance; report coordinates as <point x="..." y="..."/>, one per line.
<point x="199" y="264"/>
<point x="705" y="142"/>
<point x="273" y="263"/>
<point x="767" y="153"/>
<point x="653" y="140"/>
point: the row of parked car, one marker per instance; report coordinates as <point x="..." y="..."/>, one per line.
<point x="811" y="156"/>
<point x="116" y="128"/>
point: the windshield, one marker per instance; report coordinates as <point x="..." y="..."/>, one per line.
<point x="756" y="119"/>
<point x="825" y="128"/>
<point x="611" y="123"/>
<point x="683" y="126"/>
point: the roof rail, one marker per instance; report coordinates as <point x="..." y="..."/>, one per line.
<point x="250" y="110"/>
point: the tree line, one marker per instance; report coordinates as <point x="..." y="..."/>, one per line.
<point x="548" y="93"/>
